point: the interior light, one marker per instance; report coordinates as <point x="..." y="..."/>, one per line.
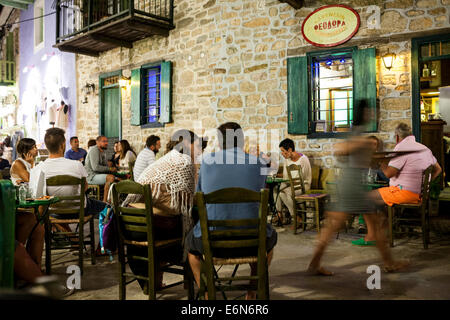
<point x="124" y="81"/>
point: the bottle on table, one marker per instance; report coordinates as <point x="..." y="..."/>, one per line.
<point x="22" y="194"/>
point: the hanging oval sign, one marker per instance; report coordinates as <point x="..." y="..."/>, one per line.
<point x="331" y="26"/>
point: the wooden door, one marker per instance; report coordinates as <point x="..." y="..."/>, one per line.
<point x="111" y="113"/>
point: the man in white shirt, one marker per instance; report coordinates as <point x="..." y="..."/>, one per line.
<point x="57" y="165"/>
<point x="287" y="148"/>
<point x="147" y="156"/>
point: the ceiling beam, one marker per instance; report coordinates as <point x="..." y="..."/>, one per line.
<point x="14" y="4"/>
<point x="86" y="52"/>
<point x="296" y="4"/>
<point x="106" y="39"/>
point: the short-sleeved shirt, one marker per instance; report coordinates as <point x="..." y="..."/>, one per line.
<point x="73" y="155"/>
<point x="231" y="168"/>
<point x="61" y="166"/>
<point x="145" y="158"/>
<point x="411" y="165"/>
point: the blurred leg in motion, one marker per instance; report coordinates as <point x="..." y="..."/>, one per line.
<point x="378" y="221"/>
<point x="334" y="221"/>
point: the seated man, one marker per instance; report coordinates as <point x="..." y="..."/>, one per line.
<point x="75" y="152"/>
<point x="287" y="148"/>
<point x="57" y="165"/>
<point x="147" y="156"/>
<point x="97" y="166"/>
<point x="405" y="173"/>
<point x="244" y="171"/>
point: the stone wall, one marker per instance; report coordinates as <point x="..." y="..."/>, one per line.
<point x="229" y="64"/>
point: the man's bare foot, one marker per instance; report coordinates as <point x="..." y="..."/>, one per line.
<point x="397" y="266"/>
<point x="319" y="271"/>
<point x="251" y="295"/>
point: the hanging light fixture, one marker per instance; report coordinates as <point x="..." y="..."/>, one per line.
<point x="388" y="60"/>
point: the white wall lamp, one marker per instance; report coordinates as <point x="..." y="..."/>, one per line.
<point x="388" y="60"/>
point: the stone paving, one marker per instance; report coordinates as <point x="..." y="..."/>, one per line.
<point x="427" y="278"/>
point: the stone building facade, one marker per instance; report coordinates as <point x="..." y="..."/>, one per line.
<point x="229" y="64"/>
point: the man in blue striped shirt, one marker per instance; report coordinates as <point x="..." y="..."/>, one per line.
<point x="147" y="156"/>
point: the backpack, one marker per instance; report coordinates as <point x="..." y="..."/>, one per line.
<point x="109" y="236"/>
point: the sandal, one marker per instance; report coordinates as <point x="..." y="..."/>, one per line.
<point x="278" y="219"/>
<point x="363" y="243"/>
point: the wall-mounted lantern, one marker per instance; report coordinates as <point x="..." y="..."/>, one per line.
<point x="388" y="60"/>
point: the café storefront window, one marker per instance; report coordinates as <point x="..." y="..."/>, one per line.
<point x="332" y="93"/>
<point x="325" y="87"/>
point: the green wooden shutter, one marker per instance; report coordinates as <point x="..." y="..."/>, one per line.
<point x="166" y="92"/>
<point x="136" y="97"/>
<point x="298" y="95"/>
<point x="365" y="83"/>
<point x="10" y="47"/>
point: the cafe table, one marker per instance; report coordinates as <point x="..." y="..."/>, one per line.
<point x="34" y="204"/>
<point x="274" y="183"/>
<point x="122" y="175"/>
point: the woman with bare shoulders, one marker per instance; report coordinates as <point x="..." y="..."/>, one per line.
<point x="26" y="220"/>
<point x="20" y="169"/>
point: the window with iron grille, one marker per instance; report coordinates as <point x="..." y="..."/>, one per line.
<point x="332" y="92"/>
<point x="325" y="89"/>
<point x="152" y="95"/>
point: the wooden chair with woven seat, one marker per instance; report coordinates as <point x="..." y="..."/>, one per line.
<point x="94" y="192"/>
<point x="70" y="210"/>
<point x="248" y="235"/>
<point x="301" y="202"/>
<point x="423" y="207"/>
<point x="131" y="169"/>
<point x="140" y="220"/>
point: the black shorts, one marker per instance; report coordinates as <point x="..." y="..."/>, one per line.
<point x="195" y="246"/>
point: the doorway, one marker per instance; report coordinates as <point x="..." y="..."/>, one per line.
<point x="431" y="96"/>
<point x="110" y="109"/>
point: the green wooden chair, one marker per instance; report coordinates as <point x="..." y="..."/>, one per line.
<point x="242" y="234"/>
<point x="423" y="207"/>
<point x="63" y="212"/>
<point x="141" y="220"/>
<point x="93" y="191"/>
<point x="131" y="168"/>
<point x="302" y="201"/>
<point x="7" y="233"/>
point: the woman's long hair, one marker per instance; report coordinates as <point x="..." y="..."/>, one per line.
<point x="125" y="147"/>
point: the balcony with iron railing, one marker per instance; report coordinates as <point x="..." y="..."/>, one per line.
<point x="93" y="26"/>
<point x="7" y="73"/>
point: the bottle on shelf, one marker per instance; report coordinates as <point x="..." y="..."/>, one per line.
<point x="425" y="71"/>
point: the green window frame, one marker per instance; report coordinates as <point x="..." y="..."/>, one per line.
<point x="151" y="95"/>
<point x="300" y="120"/>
